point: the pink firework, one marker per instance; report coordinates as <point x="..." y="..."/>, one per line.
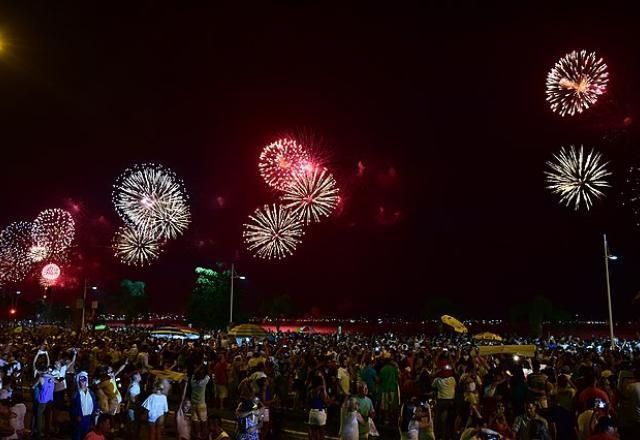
<point x="281" y="160"/>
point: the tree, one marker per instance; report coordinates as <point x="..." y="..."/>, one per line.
<point x="208" y="306"/>
<point x="537" y="310"/>
<point x="277" y="307"/>
<point x="132" y="300"/>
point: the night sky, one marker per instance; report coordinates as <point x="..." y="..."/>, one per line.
<point x="443" y="107"/>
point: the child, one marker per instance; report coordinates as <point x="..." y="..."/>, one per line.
<point x="157" y="406"/>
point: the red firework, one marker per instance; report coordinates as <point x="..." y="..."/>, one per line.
<point x="281" y="160"/>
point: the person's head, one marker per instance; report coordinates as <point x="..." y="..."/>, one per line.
<point x="363" y="390"/>
<point x="136" y="377"/>
<point x="563" y="382"/>
<point x="157" y="387"/>
<point x="535" y="366"/>
<point x="83" y="380"/>
<point x="186" y="405"/>
<point x="104" y="423"/>
<point x="352" y="404"/>
<point x="531" y="409"/>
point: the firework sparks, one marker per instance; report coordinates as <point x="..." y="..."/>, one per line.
<point x="312" y="194"/>
<point x="281" y="160"/>
<point x="578" y="178"/>
<point x="38" y="253"/>
<point x="54" y="230"/>
<point x="575" y="82"/>
<point x="15" y="242"/>
<point x="273" y="232"/>
<point x="152" y="197"/>
<point x="136" y="247"/>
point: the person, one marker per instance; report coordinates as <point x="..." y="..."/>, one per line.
<point x="199" y="383"/>
<point x="525" y="423"/>
<point x="318" y="401"/>
<point x="344" y="380"/>
<point x="445" y="388"/>
<point x="6" y="430"/>
<point x="365" y="408"/>
<point x="215" y="429"/>
<point x="592" y="391"/>
<point x="84" y="406"/>
<point x="157" y="406"/>
<point x="102" y="428"/>
<point x="248" y="412"/>
<point x="408" y="420"/>
<point x="220" y="374"/>
<point x="369" y="376"/>
<point x="42" y="397"/>
<point x="629" y="408"/>
<point x="350" y="420"/>
<point x="389" y="396"/>
<point x="18" y="411"/>
<point x="59" y="373"/>
<point x="183" y="425"/>
<point x="604" y="430"/>
<point x="131" y="399"/>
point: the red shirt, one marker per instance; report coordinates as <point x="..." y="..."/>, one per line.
<point x="591" y="393"/>
<point x="220" y="373"/>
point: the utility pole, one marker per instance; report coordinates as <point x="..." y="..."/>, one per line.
<point x="607" y="256"/>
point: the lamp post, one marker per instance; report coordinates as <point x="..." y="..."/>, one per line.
<point x="607" y="257"/>
<point x="233" y="276"/>
<point x="84" y="302"/>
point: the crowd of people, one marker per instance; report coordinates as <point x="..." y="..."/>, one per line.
<point x="125" y="384"/>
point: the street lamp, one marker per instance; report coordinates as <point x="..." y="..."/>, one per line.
<point x="233" y="276"/>
<point x="607" y="257"/>
<point x="84" y="302"/>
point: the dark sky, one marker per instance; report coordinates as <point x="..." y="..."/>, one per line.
<point x="444" y="107"/>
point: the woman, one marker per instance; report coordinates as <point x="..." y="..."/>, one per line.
<point x="350" y="418"/>
<point x="248" y="413"/>
<point x="156" y="405"/>
<point x="318" y="401"/>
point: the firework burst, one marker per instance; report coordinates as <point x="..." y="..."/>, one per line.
<point x="153" y="198"/>
<point x="15" y="242"/>
<point x="311" y="195"/>
<point x="273" y="232"/>
<point x="578" y="178"/>
<point x="54" y="230"/>
<point x="575" y="82"/>
<point x="281" y="160"/>
<point x="136" y="247"/>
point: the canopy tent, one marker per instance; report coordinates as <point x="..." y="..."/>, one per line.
<point x="487" y="336"/>
<point x="248" y="330"/>
<point x="457" y="326"/>
<point x="520" y="350"/>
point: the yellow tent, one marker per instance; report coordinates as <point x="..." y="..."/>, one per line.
<point x="168" y="374"/>
<point x="248" y="330"/>
<point x="521" y="350"/>
<point x="487" y="336"/>
<point x="454" y="323"/>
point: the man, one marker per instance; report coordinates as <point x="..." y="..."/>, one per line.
<point x="408" y="420"/>
<point x="60" y="368"/>
<point x="131" y="399"/>
<point x="445" y="387"/>
<point x="198" y="399"/>
<point x="102" y="428"/>
<point x="591" y="392"/>
<point x="83" y="407"/>
<point x="629" y="408"/>
<point x="365" y="408"/>
<point x="538" y="384"/>
<point x="369" y="376"/>
<point x="529" y="422"/>
<point x="221" y="378"/>
<point x="389" y="398"/>
<point x="344" y="379"/>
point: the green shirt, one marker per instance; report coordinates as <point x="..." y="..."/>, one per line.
<point x="389" y="379"/>
<point x="364" y="408"/>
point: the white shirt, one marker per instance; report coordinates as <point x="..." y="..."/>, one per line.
<point x="133" y="391"/>
<point x="157" y="406"/>
<point x="86" y="402"/>
<point x="61" y="373"/>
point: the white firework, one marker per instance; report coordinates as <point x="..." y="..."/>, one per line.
<point x="575" y="82"/>
<point x="577" y="177"/>
<point x="273" y="232"/>
<point x="312" y="194"/>
<point x="153" y="198"/>
<point x="54" y="230"/>
<point x="15" y="241"/>
<point x="136" y="247"/>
